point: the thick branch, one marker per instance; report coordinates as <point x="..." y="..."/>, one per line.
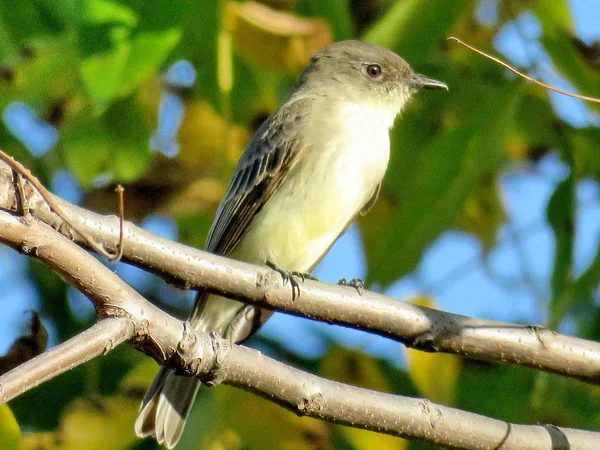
<point x="214" y="360"/>
<point x="309" y="395"/>
<point x="415" y="326"/>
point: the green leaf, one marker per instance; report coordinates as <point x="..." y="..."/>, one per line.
<point x="10" y="435"/>
<point x="359" y="369"/>
<point x="415" y="28"/>
<point x="41" y="80"/>
<point x="554" y="16"/>
<point x="557" y="25"/>
<point x="560" y="214"/>
<point x="122" y="46"/>
<point x="115" y="144"/>
<point x="532" y="137"/>
<point x="335" y="12"/>
<point x="585" y="142"/>
<point x="92" y="423"/>
<point x="586" y="284"/>
<point x="483" y="212"/>
<point x="482" y="389"/>
<point x="234" y="418"/>
<point x="424" y="368"/>
<point x="23" y="20"/>
<point x="106" y="11"/>
<point x="199" y="43"/>
<point x="570" y="63"/>
<point x="430" y="184"/>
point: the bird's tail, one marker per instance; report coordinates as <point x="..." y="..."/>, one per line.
<point x="166" y="406"/>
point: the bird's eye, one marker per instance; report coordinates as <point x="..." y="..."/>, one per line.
<point x="373" y="70"/>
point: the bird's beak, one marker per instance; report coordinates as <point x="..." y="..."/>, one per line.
<point x="419" y="81"/>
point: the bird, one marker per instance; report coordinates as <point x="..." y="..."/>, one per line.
<point x="308" y="171"/>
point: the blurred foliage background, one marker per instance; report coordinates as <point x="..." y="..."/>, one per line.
<point x="490" y="206"/>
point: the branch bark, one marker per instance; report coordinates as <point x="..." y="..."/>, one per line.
<point x="127" y="315"/>
<point x="415" y="326"/>
<point x="96" y="341"/>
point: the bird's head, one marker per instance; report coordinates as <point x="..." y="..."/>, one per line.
<point x="354" y="71"/>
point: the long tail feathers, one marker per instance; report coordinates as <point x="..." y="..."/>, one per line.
<point x="165" y="407"/>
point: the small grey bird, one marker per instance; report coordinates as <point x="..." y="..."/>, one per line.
<point x="308" y="171"/>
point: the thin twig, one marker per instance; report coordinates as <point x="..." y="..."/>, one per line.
<point x="119" y="190"/>
<point x="22" y="203"/>
<point x="521" y="74"/>
<point x="19" y="168"/>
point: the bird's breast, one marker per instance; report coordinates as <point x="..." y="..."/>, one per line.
<point x="342" y="161"/>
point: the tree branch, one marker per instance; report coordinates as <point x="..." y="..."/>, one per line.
<point x="96" y="341"/>
<point x="415" y="326"/>
<point x="214" y="360"/>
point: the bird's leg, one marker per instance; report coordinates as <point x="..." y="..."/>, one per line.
<point x="295" y="278"/>
<point x="356" y="283"/>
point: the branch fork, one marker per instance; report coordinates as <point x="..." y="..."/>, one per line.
<point x="125" y="316"/>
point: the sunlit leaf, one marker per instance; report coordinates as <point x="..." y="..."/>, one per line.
<point x="140" y="377"/>
<point x="191" y="182"/>
<point x="358" y="369"/>
<point x="40" y="80"/>
<point x="273" y="39"/>
<point x="436" y="375"/>
<point x="98" y="423"/>
<point x="554" y="16"/>
<point x="121" y="45"/>
<point x="10" y="434"/>
<point x="273" y="427"/>
<point x="114" y="145"/>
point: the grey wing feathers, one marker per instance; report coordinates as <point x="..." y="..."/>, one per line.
<point x="261" y="168"/>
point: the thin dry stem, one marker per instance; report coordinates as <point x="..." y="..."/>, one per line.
<point x="523" y="75"/>
<point x="22" y="170"/>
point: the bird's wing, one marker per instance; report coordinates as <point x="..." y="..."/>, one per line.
<point x="271" y="153"/>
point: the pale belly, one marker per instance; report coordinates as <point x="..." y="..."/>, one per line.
<point x="312" y="207"/>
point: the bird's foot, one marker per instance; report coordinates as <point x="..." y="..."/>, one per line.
<point x="294" y="278"/>
<point x="356" y="283"/>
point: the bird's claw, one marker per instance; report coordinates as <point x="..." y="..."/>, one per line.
<point x="294" y="278"/>
<point x="356" y="283"/>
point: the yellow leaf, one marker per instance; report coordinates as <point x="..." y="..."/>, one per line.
<point x="93" y="424"/>
<point x="434" y="374"/>
<point x="273" y="39"/>
<point x="10" y="434"/>
<point x="260" y="424"/>
<point x="140" y="377"/>
<point x="99" y="423"/>
<point x="353" y="367"/>
<point x="40" y="441"/>
<point x="367" y="440"/>
<point x="358" y="369"/>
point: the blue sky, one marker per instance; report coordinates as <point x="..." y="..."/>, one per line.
<point x="451" y="270"/>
